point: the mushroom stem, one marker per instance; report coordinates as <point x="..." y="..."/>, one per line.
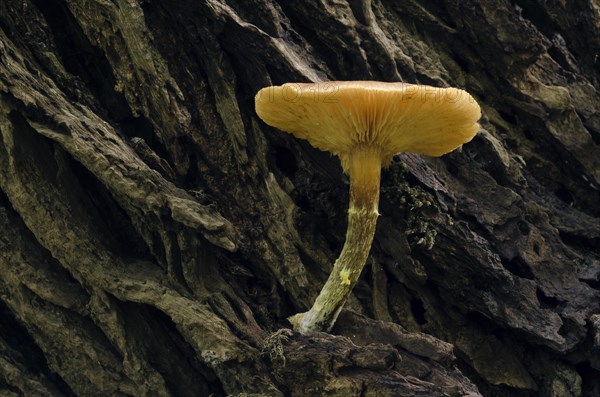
<point x="363" y="165"/>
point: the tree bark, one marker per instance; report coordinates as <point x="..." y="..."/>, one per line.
<point x="155" y="234"/>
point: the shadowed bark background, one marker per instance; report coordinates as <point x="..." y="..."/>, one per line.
<point x="155" y="234"/>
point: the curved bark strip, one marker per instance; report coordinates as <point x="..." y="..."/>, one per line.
<point x="155" y="234"/>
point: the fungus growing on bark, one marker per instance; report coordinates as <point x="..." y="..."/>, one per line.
<point x="365" y="123"/>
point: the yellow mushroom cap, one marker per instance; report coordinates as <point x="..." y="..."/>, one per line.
<point x="339" y="116"/>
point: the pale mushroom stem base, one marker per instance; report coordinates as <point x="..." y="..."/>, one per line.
<point x="364" y="169"/>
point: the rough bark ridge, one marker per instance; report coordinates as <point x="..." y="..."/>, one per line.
<point x="154" y="234"/>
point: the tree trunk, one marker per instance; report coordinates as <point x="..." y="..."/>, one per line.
<point x="155" y="234"/>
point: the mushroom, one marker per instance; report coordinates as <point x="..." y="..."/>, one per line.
<point x="365" y="123"/>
